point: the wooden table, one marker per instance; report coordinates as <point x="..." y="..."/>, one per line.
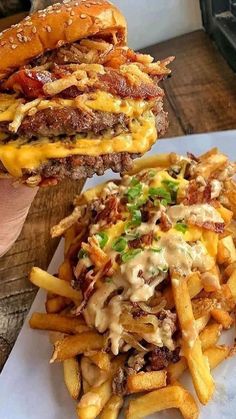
<point x="201" y="97"/>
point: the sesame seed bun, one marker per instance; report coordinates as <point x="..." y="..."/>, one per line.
<point x="58" y="25"/>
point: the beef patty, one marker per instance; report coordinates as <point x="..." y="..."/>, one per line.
<point x="67" y="121"/>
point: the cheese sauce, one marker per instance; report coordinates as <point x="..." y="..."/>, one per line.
<point x="197" y="213"/>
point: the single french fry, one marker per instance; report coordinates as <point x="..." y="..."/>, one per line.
<point x="194" y="287"/>
<point x="198" y="366"/>
<point x="101" y="359"/>
<point x="225" y="213"/>
<point x="222" y="317"/>
<point x="210" y="164"/>
<point x="232" y="284"/>
<point x="229" y="270"/>
<point x="159" y="160"/>
<point x="165" y="398"/>
<point x="216" y="354"/>
<point x="50" y="283"/>
<point x="226" y="251"/>
<point x="72" y="377"/>
<point x="211" y="280"/>
<point x="210" y="335"/>
<point x="201" y="322"/>
<point x="175" y="370"/>
<point x="92" y="403"/>
<point x="112" y="408"/>
<point x="77" y="344"/>
<point x="56" y="304"/>
<point x="210" y="240"/>
<point x="65" y="271"/>
<point x="58" y="323"/>
<point x="146" y="381"/>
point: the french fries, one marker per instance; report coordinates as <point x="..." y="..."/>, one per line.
<point x="208" y="337"/>
<point x="226" y="251"/>
<point x="77" y="344"/>
<point x="155" y="291"/>
<point x="56" y="304"/>
<point x="58" y="323"/>
<point x="92" y="403"/>
<point x="101" y="359"/>
<point x="48" y="282"/>
<point x="166" y="398"/>
<point x="112" y="408"/>
<point x="199" y="369"/>
<point x="146" y="381"/>
<point x="72" y="377"/>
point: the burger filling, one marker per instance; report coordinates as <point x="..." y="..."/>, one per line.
<point x="86" y="99"/>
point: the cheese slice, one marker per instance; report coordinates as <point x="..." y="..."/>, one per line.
<point x="15" y="155"/>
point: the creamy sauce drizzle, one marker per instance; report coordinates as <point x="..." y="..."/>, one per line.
<point x="197" y="213"/>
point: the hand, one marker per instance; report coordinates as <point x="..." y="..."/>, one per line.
<point x="14" y="206"/>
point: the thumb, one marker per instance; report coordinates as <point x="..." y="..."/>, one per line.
<point x="14" y="207"/>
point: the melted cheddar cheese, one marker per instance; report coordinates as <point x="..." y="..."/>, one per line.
<point x="16" y="156"/>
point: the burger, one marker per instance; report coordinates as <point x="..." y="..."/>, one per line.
<point x="74" y="99"/>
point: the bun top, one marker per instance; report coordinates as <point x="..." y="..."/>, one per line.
<point x="57" y="25"/>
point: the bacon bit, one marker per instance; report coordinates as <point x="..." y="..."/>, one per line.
<point x="165" y="222"/>
<point x="210" y="225"/>
<point x="145" y="240"/>
<point x="111" y="212"/>
<point x="192" y="157"/>
<point x="207" y="193"/>
<point x="194" y="196"/>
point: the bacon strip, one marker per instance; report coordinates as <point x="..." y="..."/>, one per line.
<point x="212" y="226"/>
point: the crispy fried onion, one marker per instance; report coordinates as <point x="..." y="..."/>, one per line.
<point x="96" y="254"/>
<point x="152" y="310"/>
<point x="133" y="341"/>
<point x="141" y="325"/>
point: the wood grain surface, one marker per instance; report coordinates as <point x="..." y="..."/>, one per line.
<point x="200" y="97"/>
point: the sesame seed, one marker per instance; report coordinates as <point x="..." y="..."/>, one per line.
<point x="24" y="38"/>
<point x="66" y="1"/>
<point x="14" y="46"/>
<point x="11" y="40"/>
<point x="48" y="29"/>
<point x="60" y="43"/>
<point x="34" y="30"/>
<point x="58" y="11"/>
<point x="49" y="8"/>
<point x="72" y="13"/>
<point x="3" y="43"/>
<point x="27" y="18"/>
<point x="28" y="24"/>
<point x="69" y="22"/>
<point x="83" y="16"/>
<point x="19" y="30"/>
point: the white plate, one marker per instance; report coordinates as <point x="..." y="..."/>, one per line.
<point x="30" y="388"/>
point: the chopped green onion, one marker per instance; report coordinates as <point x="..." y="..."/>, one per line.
<point x="163" y="269"/>
<point x="172" y="187"/>
<point x="160" y="193"/>
<point x="134" y="181"/>
<point x="130" y="254"/>
<point x="164" y="202"/>
<point x="108" y="280"/>
<point x="156" y="249"/>
<point x="102" y="238"/>
<point x="136" y="218"/>
<point x="119" y="244"/>
<point x="181" y="227"/>
<point x="152" y="173"/>
<point x="82" y="254"/>
<point x="134" y="192"/>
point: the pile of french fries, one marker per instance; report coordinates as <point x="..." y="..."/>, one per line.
<point x="204" y="309"/>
